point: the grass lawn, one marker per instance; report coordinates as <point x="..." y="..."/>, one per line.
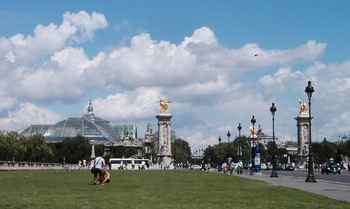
<point x="150" y="189"/>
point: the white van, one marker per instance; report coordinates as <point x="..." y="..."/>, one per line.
<point x="128" y="163"/>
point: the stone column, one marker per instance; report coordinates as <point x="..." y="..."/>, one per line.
<point x="303" y="134"/>
<point x="164" y="139"/>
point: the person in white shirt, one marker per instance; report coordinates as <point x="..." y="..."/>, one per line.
<point x="97" y="165"/>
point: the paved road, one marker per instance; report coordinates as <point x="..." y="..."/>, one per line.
<point x="343" y="178"/>
<point x="329" y="188"/>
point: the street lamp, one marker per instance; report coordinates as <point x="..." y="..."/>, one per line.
<point x="228" y="136"/>
<point x="239" y="127"/>
<point x="219" y="139"/>
<point x="274" y="174"/>
<point x="252" y="154"/>
<point x="309" y="89"/>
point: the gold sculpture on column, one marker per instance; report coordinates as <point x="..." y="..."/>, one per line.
<point x="303" y="108"/>
<point x="164" y="105"/>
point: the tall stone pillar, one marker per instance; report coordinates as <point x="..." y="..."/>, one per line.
<point x="164" y="135"/>
<point x="303" y="126"/>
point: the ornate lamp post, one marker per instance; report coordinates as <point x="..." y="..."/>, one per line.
<point x="252" y="154"/>
<point x="228" y="136"/>
<point x="274" y="174"/>
<point x="309" y="89"/>
<point x="239" y="127"/>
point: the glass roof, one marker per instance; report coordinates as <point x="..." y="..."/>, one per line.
<point x="88" y="126"/>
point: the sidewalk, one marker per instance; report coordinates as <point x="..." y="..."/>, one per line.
<point x="334" y="190"/>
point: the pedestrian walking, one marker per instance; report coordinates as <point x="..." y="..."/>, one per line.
<point x="97" y="165"/>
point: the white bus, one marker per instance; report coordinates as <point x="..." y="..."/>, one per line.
<point x="128" y="163"/>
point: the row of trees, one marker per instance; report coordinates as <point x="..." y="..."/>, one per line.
<point x="324" y="150"/>
<point x="14" y="147"/>
<point x="240" y="149"/>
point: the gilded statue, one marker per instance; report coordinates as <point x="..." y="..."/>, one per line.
<point x="164" y="105"/>
<point x="253" y="132"/>
<point x="303" y="108"/>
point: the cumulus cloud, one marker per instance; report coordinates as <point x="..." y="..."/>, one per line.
<point x="208" y="81"/>
<point x="75" y="27"/>
<point x="138" y="104"/>
<point x="282" y="81"/>
<point x="28" y="114"/>
<point x="44" y="65"/>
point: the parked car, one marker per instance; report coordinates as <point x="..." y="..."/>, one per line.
<point x="331" y="168"/>
<point x="290" y="167"/>
<point x="195" y="167"/>
<point x="263" y="166"/>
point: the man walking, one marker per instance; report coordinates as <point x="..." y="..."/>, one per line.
<point x="98" y="164"/>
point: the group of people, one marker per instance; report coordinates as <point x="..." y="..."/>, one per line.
<point x="99" y="170"/>
<point x="231" y="167"/>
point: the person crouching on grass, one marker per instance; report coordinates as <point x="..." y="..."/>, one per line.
<point x="105" y="177"/>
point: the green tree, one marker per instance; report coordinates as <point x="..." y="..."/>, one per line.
<point x="71" y="150"/>
<point x="181" y="151"/>
<point x="8" y="145"/>
<point x="324" y="150"/>
<point x="238" y="149"/>
<point x="36" y="149"/>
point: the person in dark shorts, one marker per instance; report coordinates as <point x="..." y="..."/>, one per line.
<point x="97" y="166"/>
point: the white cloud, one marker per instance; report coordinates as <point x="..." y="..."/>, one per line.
<point x="27" y="114"/>
<point x="206" y="80"/>
<point x="44" y="66"/>
<point x="85" y="24"/>
<point x="284" y="80"/>
<point x="139" y="104"/>
<point x="76" y="27"/>
<point x="203" y="35"/>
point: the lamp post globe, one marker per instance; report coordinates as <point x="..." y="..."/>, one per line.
<point x="274" y="174"/>
<point x="239" y="127"/>
<point x="309" y="90"/>
<point x="228" y="136"/>
<point x="253" y="121"/>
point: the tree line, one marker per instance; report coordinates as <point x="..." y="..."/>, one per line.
<point x="239" y="149"/>
<point x="15" y="147"/>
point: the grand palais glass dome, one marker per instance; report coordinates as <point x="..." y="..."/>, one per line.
<point x="89" y="126"/>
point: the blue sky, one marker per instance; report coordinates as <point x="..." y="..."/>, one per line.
<point x="281" y="31"/>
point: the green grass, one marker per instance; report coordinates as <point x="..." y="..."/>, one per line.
<point x="151" y="189"/>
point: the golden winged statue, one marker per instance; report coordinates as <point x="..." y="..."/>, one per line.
<point x="164" y="105"/>
<point x="253" y="132"/>
<point x="303" y="108"/>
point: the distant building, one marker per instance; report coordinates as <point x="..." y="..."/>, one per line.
<point x="290" y="146"/>
<point x="126" y="132"/>
<point x="263" y="138"/>
<point x="91" y="127"/>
